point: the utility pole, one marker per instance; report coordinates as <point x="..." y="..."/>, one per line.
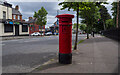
<point x="57" y="20"/>
<point x="56" y="23"/>
<point x="119" y="15"/>
<point x="117" y="22"/>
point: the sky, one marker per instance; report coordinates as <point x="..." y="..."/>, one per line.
<point x="28" y="8"/>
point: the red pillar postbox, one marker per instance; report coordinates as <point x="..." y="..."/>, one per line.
<point x="65" y="38"/>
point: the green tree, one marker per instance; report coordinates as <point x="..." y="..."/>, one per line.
<point x="41" y="18"/>
<point x="83" y="27"/>
<point x="99" y="25"/>
<point x="76" y="6"/>
<point x="74" y="25"/>
<point x="115" y="12"/>
<point x="104" y="15"/>
<point x="109" y="23"/>
<point x="91" y="18"/>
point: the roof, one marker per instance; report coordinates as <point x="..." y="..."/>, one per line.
<point x="25" y="22"/>
<point x="15" y="12"/>
<point x="6" y="4"/>
<point x="31" y="21"/>
<point x="53" y="26"/>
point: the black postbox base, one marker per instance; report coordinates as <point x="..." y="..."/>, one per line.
<point x="65" y="58"/>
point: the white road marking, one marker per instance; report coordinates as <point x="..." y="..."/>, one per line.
<point x="2" y="44"/>
<point x="10" y="40"/>
<point x="44" y="56"/>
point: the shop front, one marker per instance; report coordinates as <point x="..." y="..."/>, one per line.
<point x="24" y="29"/>
<point x="7" y="28"/>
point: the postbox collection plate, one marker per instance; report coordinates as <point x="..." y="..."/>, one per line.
<point x="65" y="29"/>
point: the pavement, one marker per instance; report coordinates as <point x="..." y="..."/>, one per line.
<point x="94" y="55"/>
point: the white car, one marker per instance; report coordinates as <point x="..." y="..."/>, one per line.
<point x="35" y="34"/>
<point x="41" y="34"/>
<point x="48" y="33"/>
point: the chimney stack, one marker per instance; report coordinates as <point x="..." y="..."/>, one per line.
<point x="16" y="7"/>
<point x="30" y="18"/>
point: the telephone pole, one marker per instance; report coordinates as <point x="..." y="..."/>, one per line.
<point x="118" y="11"/>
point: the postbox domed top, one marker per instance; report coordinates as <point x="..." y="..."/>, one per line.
<point x="65" y="15"/>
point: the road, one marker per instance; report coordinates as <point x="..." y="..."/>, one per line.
<point x="23" y="55"/>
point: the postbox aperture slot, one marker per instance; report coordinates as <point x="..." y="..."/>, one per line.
<point x="65" y="21"/>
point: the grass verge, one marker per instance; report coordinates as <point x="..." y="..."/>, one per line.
<point x="78" y="43"/>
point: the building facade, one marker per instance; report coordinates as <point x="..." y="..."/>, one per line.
<point x="34" y="27"/>
<point x="21" y="26"/>
<point x="54" y="28"/>
<point x="6" y="19"/>
<point x="11" y="22"/>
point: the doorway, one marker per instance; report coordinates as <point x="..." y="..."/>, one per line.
<point x="16" y="30"/>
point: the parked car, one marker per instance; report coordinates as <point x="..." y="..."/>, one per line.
<point x="48" y="33"/>
<point x="80" y="32"/>
<point x="35" y="34"/>
<point x="56" y="33"/>
<point x="84" y="33"/>
<point x="41" y="34"/>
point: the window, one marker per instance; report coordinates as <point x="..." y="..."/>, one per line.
<point x="4" y="15"/>
<point x="41" y="27"/>
<point x="14" y="16"/>
<point x="34" y="28"/>
<point x="18" y="17"/>
<point x="8" y="28"/>
<point x="24" y="28"/>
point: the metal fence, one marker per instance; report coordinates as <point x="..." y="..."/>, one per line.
<point x="113" y="33"/>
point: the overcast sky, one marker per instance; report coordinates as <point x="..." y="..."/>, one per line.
<point x="27" y="9"/>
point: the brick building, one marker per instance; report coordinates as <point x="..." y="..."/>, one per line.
<point x="34" y="27"/>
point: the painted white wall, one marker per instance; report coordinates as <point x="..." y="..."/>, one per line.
<point x="20" y="30"/>
<point x="2" y="33"/>
<point x="8" y="12"/>
<point x="1" y="16"/>
<point x="1" y="24"/>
